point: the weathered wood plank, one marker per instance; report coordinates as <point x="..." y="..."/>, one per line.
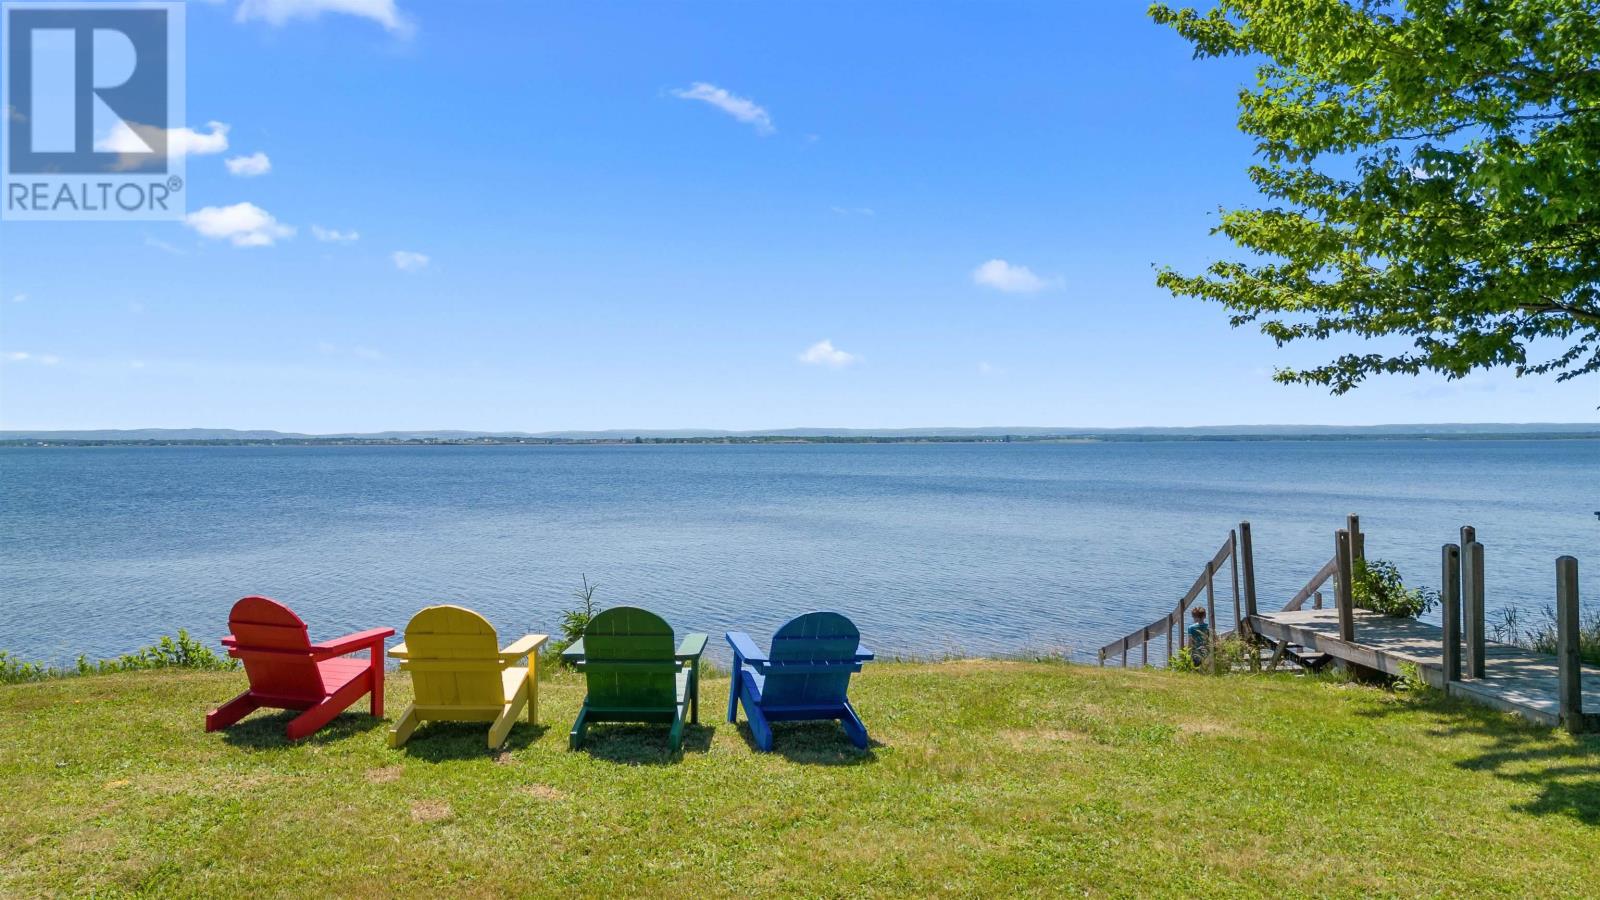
<point x="1569" y="678"/>
<point x="1344" y="598"/>
<point x="1450" y="600"/>
<point x="1472" y="607"/>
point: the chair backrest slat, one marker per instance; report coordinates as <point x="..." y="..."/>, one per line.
<point x="818" y="637"/>
<point x="264" y="624"/>
<point x="440" y="635"/>
<point x="613" y="644"/>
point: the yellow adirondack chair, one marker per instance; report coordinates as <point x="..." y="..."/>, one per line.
<point x="461" y="674"/>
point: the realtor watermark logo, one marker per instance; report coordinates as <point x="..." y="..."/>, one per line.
<point x="93" y="92"/>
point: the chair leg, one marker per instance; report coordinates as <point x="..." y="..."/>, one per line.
<point x="377" y="681"/>
<point x="675" y="736"/>
<point x="853" y="728"/>
<point x="579" y="725"/>
<point x="231" y="712"/>
<point x="533" y="689"/>
<point x="307" y="723"/>
<point x="407" y="723"/>
<point x="733" y="689"/>
<point x="501" y="729"/>
<point x="760" y="728"/>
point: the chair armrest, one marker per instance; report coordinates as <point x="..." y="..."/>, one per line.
<point x="574" y="653"/>
<point x="693" y="645"/>
<point x="523" y="646"/>
<point x="399" y="651"/>
<point x="863" y="654"/>
<point x="745" y="648"/>
<point x="350" y="643"/>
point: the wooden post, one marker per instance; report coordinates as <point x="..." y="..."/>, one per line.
<point x="1450" y="599"/>
<point x="1102" y="658"/>
<point x="1211" y="616"/>
<point x="1247" y="563"/>
<point x="1233" y="561"/>
<point x="1569" y="692"/>
<point x="1316" y="600"/>
<point x="1144" y="647"/>
<point x="1472" y="607"/>
<point x="1343" y="594"/>
<point x="1358" y="541"/>
<point x="1169" y="642"/>
<point x="1124" y="652"/>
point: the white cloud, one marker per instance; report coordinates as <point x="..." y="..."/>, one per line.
<point x="988" y="369"/>
<point x="249" y="166"/>
<point x="1003" y="276"/>
<point x="20" y="298"/>
<point x="328" y="348"/>
<point x="128" y="138"/>
<point x="281" y="12"/>
<point x="366" y="353"/>
<point x="741" y="108"/>
<point x="136" y="364"/>
<point x="853" y="210"/>
<point x="407" y="261"/>
<point x="334" y="235"/>
<point x="22" y="356"/>
<point x="245" y="224"/>
<point x="824" y="353"/>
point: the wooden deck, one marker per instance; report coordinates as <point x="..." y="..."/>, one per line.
<point x="1515" y="680"/>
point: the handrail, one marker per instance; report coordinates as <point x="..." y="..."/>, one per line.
<point x="1323" y="574"/>
<point x="1173" y="620"/>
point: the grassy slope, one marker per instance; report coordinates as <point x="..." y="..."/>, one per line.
<point x="988" y="777"/>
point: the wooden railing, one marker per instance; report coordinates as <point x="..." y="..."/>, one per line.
<point x="1236" y="551"/>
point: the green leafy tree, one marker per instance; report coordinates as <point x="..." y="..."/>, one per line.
<point x="1432" y="174"/>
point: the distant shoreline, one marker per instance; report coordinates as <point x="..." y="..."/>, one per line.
<point x="794" y="439"/>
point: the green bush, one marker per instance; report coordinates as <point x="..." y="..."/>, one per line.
<point x="182" y="652"/>
<point x="1376" y="586"/>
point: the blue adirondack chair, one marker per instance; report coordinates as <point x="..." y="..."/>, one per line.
<point x="805" y="677"/>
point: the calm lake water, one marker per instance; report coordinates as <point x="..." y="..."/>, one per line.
<point x="931" y="548"/>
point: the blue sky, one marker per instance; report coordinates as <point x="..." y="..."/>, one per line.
<point x="539" y="216"/>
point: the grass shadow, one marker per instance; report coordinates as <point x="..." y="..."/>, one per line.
<point x="1564" y="769"/>
<point x="267" y="732"/>
<point x="447" y="741"/>
<point x="642" y="744"/>
<point x="820" y="743"/>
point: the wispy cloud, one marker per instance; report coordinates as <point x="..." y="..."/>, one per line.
<point x="249" y="166"/>
<point x="334" y="235"/>
<point x="853" y="210"/>
<point x="19" y="298"/>
<point x="328" y="348"/>
<point x="409" y="261"/>
<point x="1012" y="279"/>
<point x="22" y="356"/>
<point x="161" y="245"/>
<point x="281" y="12"/>
<point x="243" y="224"/>
<point x="824" y="353"/>
<point x="741" y="108"/>
<point x="989" y="369"/>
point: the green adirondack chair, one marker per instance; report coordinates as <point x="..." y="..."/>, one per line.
<point x="634" y="674"/>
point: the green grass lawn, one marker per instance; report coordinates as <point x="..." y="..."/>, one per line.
<point x="992" y="778"/>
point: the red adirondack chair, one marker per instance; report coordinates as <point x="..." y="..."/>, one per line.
<point x="287" y="671"/>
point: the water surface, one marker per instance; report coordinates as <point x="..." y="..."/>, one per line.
<point x="931" y="548"/>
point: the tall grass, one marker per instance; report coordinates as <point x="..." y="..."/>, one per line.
<point x="1540" y="634"/>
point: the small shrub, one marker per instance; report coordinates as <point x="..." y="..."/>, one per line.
<point x="1376" y="586"/>
<point x="1231" y="653"/>
<point x="16" y="671"/>
<point x="182" y="652"/>
<point x="575" y="621"/>
<point x="1410" y="681"/>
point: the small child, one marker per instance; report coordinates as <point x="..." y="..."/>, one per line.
<point x="1199" y="635"/>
